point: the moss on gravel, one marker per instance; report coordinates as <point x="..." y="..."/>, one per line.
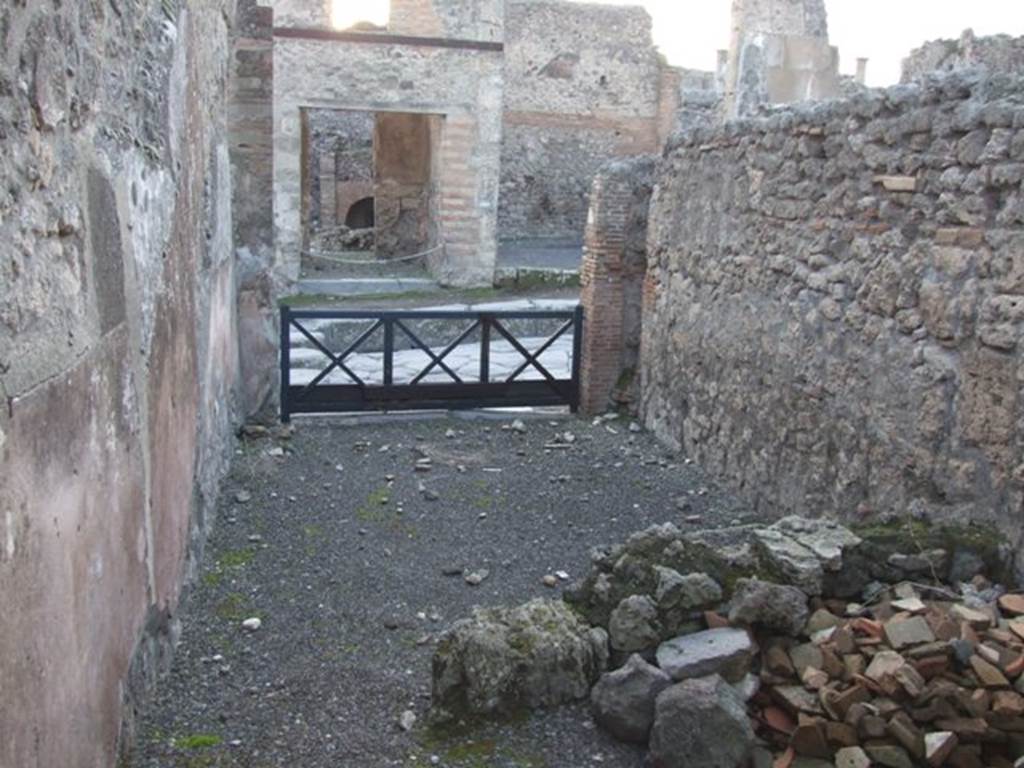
<point x="910" y="535"/>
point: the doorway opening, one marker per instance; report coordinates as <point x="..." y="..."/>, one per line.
<point x="370" y="191"/>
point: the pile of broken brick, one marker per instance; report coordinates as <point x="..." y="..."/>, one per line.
<point x="917" y="678"/>
<point x="800" y="644"/>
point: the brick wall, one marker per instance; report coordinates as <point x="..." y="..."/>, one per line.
<point x="612" y="280"/>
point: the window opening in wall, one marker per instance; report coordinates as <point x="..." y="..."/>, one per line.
<point x="371" y="193"/>
<point x="358" y="15"/>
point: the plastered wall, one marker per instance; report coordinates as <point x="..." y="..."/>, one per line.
<point x="118" y="355"/>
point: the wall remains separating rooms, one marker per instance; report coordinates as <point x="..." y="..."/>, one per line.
<point x="583" y="85"/>
<point x="835" y="304"/>
<point x="612" y="283"/>
<point x="118" y="355"/>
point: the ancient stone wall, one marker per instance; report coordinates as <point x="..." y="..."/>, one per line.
<point x="583" y="86"/>
<point x="460" y="19"/>
<point x="996" y="53"/>
<point x="836" y="301"/>
<point x="779" y="53"/>
<point x="339" y="164"/>
<point x="118" y="359"/>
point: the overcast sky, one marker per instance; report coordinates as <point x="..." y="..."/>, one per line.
<point x="690" y="31"/>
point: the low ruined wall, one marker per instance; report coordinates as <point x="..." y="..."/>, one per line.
<point x="835" y="303"/>
<point x="118" y="358"/>
<point x="583" y="85"/>
<point x="995" y="54"/>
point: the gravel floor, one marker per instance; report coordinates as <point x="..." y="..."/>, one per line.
<point x="343" y="555"/>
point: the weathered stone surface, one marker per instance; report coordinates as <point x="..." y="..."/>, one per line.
<point x="819" y="320"/>
<point x="504" y="659"/>
<point x="118" y="355"/>
<point x="795" y="563"/>
<point x="938" y="746"/>
<point x="725" y="652"/>
<point x="634" y="624"/>
<point x="693" y="591"/>
<point x="700" y="723"/>
<point x="906" y="632"/>
<point x="884" y="663"/>
<point x="852" y="757"/>
<point x="623" y="700"/>
<point x="775" y="607"/>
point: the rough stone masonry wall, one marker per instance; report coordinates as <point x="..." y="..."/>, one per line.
<point x="836" y="301"/>
<point x="582" y="87"/>
<point x="117" y="354"/>
<point x="995" y="53"/>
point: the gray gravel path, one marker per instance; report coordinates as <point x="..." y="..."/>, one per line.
<point x="343" y="557"/>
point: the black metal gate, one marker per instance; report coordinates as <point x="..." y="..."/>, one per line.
<point x="419" y="389"/>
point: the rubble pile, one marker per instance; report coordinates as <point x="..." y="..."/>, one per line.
<point x="920" y="676"/>
<point x="798" y="644"/>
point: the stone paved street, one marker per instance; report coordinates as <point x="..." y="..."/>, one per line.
<point x="341" y="549"/>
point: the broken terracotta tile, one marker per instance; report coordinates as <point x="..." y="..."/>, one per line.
<point x="910" y="605"/>
<point x="1012" y="604"/>
<point x="796" y="699"/>
<point x="910" y="737"/>
<point x="854" y="664"/>
<point x="1008" y="703"/>
<point x="814" y="679"/>
<point x="809" y="738"/>
<point x="906" y="632"/>
<point x="938" y="745"/>
<point x="965" y="757"/>
<point x="872" y="727"/>
<point x="884" y="664"/>
<point x="785" y="760"/>
<point x="843" y="700"/>
<point x="840" y="734"/>
<point x="776" y="661"/>
<point x="976" y="618"/>
<point x="930" y="667"/>
<point x="988" y="674"/>
<point x="1017" y="627"/>
<point x="966" y="728"/>
<point x="777" y="719"/>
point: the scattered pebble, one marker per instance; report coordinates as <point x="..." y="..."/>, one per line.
<point x="476" y="578"/>
<point x="407" y="721"/>
<point x="252" y="625"/>
<point x="243" y="496"/>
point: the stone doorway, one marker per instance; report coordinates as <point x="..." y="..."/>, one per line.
<point x="370" y="191"/>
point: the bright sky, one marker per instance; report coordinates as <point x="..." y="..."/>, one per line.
<point x="689" y="32"/>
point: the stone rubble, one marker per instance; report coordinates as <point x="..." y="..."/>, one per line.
<point x="713" y="663"/>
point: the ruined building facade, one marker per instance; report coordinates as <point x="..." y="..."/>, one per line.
<point x="488" y="124"/>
